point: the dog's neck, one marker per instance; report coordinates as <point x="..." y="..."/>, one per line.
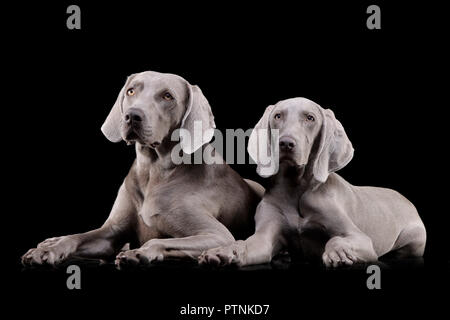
<point x="292" y="179"/>
<point x="158" y="158"/>
<point x="158" y="161"/>
<point x="286" y="181"/>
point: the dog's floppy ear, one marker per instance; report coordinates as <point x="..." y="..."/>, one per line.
<point x="111" y="126"/>
<point x="335" y="149"/>
<point x="263" y="145"/>
<point x="198" y="121"/>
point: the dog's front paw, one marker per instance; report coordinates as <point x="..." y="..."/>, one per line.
<point x="339" y="253"/>
<point x="140" y="256"/>
<point x="51" y="251"/>
<point x="233" y="254"/>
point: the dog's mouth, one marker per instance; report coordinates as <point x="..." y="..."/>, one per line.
<point x="289" y="160"/>
<point x="133" y="136"/>
<point x="286" y="156"/>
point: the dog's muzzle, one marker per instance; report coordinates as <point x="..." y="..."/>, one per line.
<point x="133" y="117"/>
<point x="132" y="120"/>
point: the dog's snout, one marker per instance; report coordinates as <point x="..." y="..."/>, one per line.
<point x="133" y="115"/>
<point x="287" y="144"/>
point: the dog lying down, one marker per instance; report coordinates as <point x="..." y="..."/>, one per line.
<point x="310" y="209"/>
<point x="163" y="210"/>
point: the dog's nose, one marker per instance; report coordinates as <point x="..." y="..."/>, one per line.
<point x="287" y="144"/>
<point x="133" y="116"/>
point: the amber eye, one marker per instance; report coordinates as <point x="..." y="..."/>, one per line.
<point x="277" y="116"/>
<point x="130" y="92"/>
<point x="167" y="96"/>
<point x="310" y="117"/>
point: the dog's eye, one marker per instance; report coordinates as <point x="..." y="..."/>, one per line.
<point x="310" y="117"/>
<point x="277" y="116"/>
<point x="167" y="96"/>
<point x="130" y="92"/>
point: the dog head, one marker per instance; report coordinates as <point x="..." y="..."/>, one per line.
<point x="151" y="105"/>
<point x="308" y="135"/>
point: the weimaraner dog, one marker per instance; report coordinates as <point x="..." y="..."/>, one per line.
<point x="311" y="209"/>
<point x="164" y="210"/>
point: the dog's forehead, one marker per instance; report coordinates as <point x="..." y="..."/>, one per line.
<point x="298" y="105"/>
<point x="153" y="79"/>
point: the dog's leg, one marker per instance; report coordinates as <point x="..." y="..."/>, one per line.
<point x="192" y="233"/>
<point x="349" y="249"/>
<point x="101" y="243"/>
<point x="259" y="248"/>
<point x="164" y="249"/>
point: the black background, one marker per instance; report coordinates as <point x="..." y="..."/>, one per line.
<point x="385" y="86"/>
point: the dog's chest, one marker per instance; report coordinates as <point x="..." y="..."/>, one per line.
<point x="293" y="218"/>
<point x="150" y="187"/>
<point x="304" y="231"/>
<point x="146" y="231"/>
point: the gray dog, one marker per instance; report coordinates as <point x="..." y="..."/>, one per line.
<point x="308" y="207"/>
<point x="162" y="209"/>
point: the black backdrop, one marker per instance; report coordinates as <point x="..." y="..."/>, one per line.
<point x="383" y="85"/>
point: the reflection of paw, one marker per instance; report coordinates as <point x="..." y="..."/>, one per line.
<point x="51" y="251"/>
<point x="233" y="254"/>
<point x="339" y="252"/>
<point x="140" y="256"/>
